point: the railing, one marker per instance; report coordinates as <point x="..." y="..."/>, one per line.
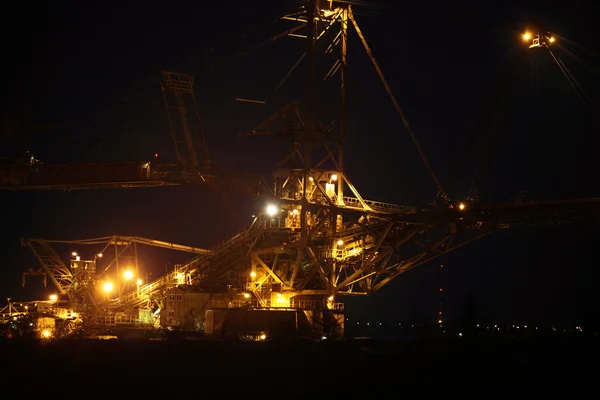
<point x="251" y="303"/>
<point x="143" y="292"/>
<point x="350" y="249"/>
<point x="282" y="221"/>
<point x="274" y="223"/>
<point x="375" y="205"/>
<point x="306" y="304"/>
<point x="114" y="320"/>
<point x="360" y="230"/>
<point x="294" y="304"/>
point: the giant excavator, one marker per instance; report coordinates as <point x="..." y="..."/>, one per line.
<point x="317" y="240"/>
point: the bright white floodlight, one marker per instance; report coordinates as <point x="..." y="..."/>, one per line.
<point x="271" y="210"/>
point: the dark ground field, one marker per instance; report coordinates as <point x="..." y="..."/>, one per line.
<point x="330" y="369"/>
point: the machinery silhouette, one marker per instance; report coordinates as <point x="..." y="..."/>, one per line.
<point x="318" y="238"/>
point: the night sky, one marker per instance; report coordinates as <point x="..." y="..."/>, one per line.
<point x="459" y="70"/>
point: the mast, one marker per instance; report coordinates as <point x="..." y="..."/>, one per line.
<point x="342" y="112"/>
<point x="309" y="113"/>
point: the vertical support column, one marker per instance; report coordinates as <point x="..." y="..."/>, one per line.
<point x="310" y="62"/>
<point x="441" y="317"/>
<point x="118" y="278"/>
<point x="135" y="256"/>
<point x="342" y="112"/>
<point x="309" y="114"/>
<point x="335" y="246"/>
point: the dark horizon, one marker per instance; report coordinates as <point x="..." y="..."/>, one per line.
<point x="463" y="79"/>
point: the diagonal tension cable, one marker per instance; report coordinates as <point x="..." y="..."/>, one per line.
<point x="102" y="115"/>
<point x="577" y="58"/>
<point x="255" y="46"/>
<point x="223" y="42"/>
<point x="572" y="81"/>
<point x="441" y="193"/>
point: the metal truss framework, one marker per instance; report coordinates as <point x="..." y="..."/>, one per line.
<point x="320" y="237"/>
<point x="270" y="256"/>
<point x="80" y="281"/>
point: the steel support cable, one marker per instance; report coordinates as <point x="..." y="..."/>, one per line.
<point x="122" y="129"/>
<point x="485" y="151"/>
<point x="239" y="37"/>
<point x="99" y="117"/>
<point x="575" y="87"/>
<point x="335" y="47"/>
<point x="441" y="193"/>
<point x="254" y="47"/>
<point x="576" y="58"/>
<point x="574" y="80"/>
<point x="106" y="111"/>
<point x="354" y="84"/>
<point x="286" y="77"/>
<point x="576" y="45"/>
<point x="283" y="80"/>
<point x="110" y="135"/>
<point x="486" y="148"/>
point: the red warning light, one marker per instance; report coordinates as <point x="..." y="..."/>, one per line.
<point x="155" y="155"/>
<point x="441" y="290"/>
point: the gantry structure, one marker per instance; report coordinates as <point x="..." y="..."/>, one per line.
<point x="318" y="238"/>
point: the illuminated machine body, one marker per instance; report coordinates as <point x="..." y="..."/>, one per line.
<point x="316" y="241"/>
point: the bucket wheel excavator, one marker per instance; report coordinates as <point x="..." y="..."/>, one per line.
<point x="318" y="239"/>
